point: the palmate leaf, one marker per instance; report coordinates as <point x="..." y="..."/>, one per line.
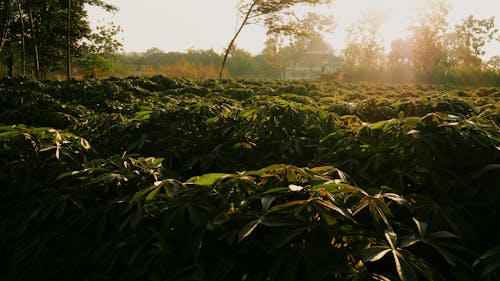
<point x="375" y="253"/>
<point x="437" y="240"/>
<point x="300" y="203"/>
<point x="330" y="202"/>
<point x="396" y="198"/>
<point x="377" y="207"/>
<point x="391" y="238"/>
<point x="266" y="202"/>
<point x="445" y="215"/>
<point x="164" y="188"/>
<point x="67" y="174"/>
<point x="447" y="255"/>
<point x="379" y="277"/>
<point x="277" y="190"/>
<point x="488" y="264"/>
<point x="345" y="190"/>
<point x="325" y="215"/>
<point x="285" y="172"/>
<point x="441" y="235"/>
<point x="408" y="241"/>
<point x="329" y="174"/>
<point x="405" y="263"/>
<point x="485" y="169"/>
<point x="403" y="267"/>
<point x="421" y="227"/>
<point x="248" y="229"/>
<point x="199" y="128"/>
<point x="208" y="179"/>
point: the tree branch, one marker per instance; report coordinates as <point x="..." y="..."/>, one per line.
<point x="245" y="20"/>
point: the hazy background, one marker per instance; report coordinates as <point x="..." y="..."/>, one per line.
<point x="174" y="25"/>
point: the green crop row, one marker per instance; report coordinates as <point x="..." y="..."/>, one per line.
<point x="170" y="179"/>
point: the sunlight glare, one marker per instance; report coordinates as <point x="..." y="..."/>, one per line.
<point x="399" y="16"/>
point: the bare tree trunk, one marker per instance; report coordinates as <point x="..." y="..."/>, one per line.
<point x="23" y="43"/>
<point x="68" y="42"/>
<point x="33" y="35"/>
<point x="5" y="27"/>
<point x="231" y="44"/>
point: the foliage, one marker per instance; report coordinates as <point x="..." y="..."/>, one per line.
<point x="363" y="48"/>
<point x="170" y="179"/>
<point x="240" y="63"/>
<point x="39" y="28"/>
<point x="471" y="36"/>
<point x="433" y="53"/>
<point x="279" y="17"/>
<point x="96" y="53"/>
<point x="200" y="64"/>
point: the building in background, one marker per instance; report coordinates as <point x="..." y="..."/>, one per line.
<point x="315" y="61"/>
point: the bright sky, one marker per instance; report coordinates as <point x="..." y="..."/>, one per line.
<point x="177" y="25"/>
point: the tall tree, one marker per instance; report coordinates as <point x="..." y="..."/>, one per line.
<point x="68" y="41"/>
<point x="96" y="52"/>
<point x="428" y="49"/>
<point x="46" y="32"/>
<point x="493" y="64"/>
<point x="240" y="63"/>
<point x="272" y="13"/>
<point x="35" y="46"/>
<point x="468" y="41"/>
<point x="23" y="38"/>
<point x="274" y="59"/>
<point x="399" y="62"/>
<point x="288" y="45"/>
<point x="400" y="54"/>
<point x="6" y="17"/>
<point x="364" y="50"/>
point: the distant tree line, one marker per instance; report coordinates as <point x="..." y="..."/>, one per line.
<point x="271" y="63"/>
<point x="192" y="64"/>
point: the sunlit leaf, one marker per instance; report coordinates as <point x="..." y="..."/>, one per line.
<point x="151" y="195"/>
<point x="409" y="240"/>
<point x="395" y="197"/>
<point x="294" y="187"/>
<point x="207" y="179"/>
<point x="85" y="143"/>
<point x="337" y="207"/>
<point x="248" y="229"/>
<point x="391" y="238"/>
<point x="376" y="206"/>
<point x="404" y="268"/>
<point x="374" y="253"/>
<point x="287" y="205"/>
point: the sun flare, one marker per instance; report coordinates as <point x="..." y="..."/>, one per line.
<point x="398" y="17"/>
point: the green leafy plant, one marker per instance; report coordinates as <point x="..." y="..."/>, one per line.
<point x="172" y="179"/>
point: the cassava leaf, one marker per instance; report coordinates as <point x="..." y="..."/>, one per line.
<point x="248" y="229"/>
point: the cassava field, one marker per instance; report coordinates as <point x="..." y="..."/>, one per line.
<point x="166" y="179"/>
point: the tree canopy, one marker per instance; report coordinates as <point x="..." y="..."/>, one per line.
<point x="38" y="29"/>
<point x="277" y="16"/>
<point x="435" y="51"/>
